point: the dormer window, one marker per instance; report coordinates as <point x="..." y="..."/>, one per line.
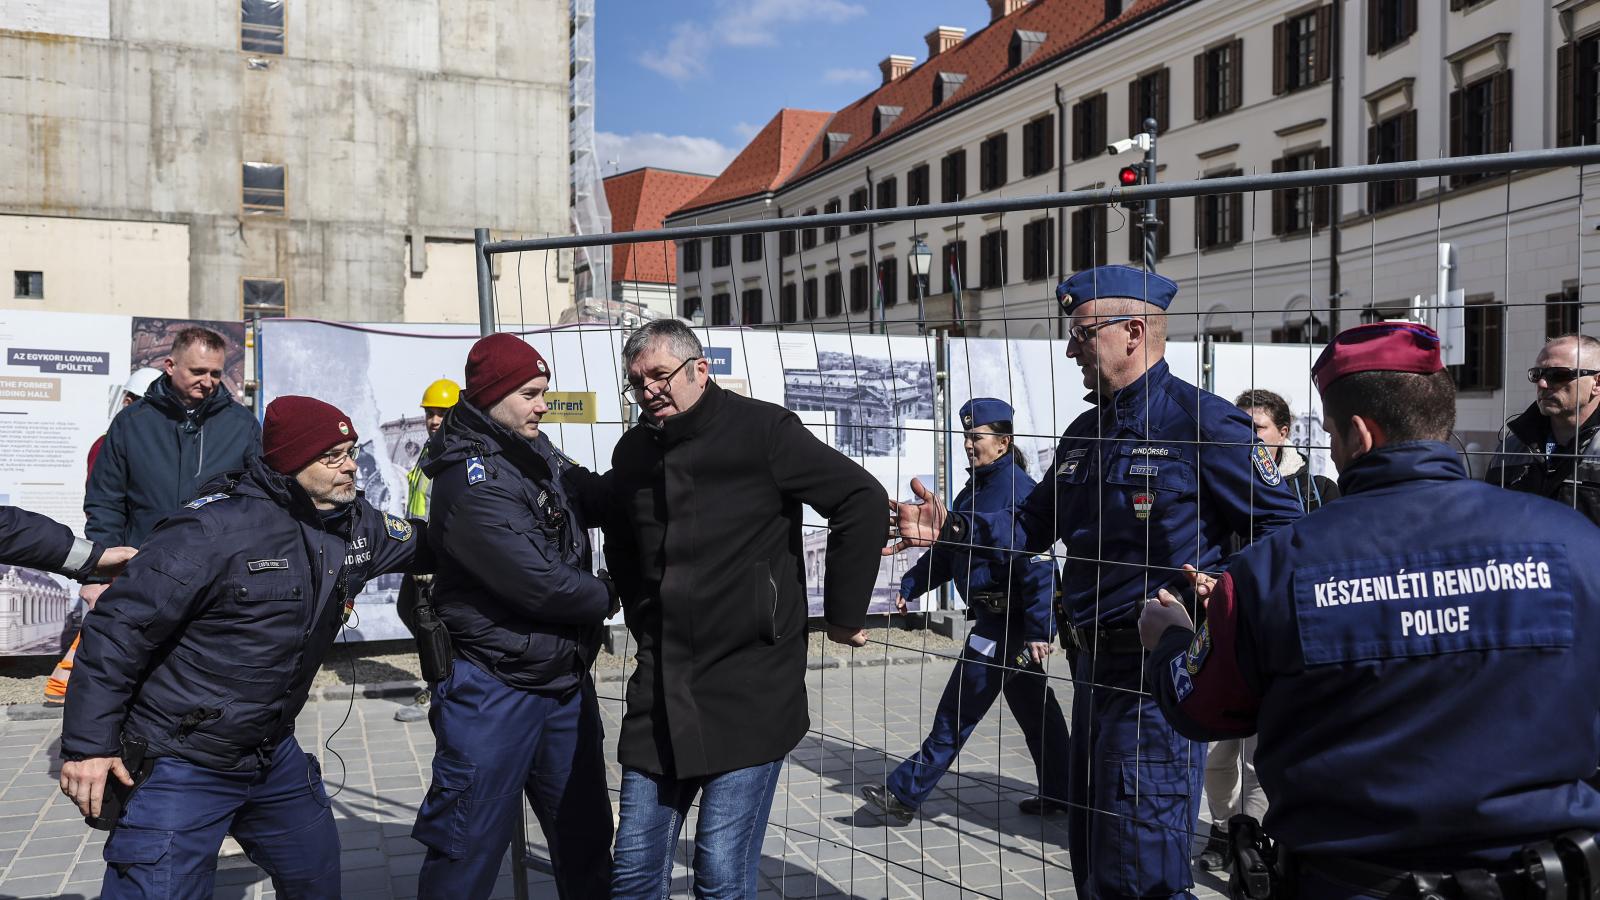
<point x="832" y="143"/>
<point x="1023" y="45"/>
<point x="945" y="84"/>
<point x="883" y="118"/>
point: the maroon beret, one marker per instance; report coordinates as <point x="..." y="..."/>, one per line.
<point x="297" y="430"/>
<point x="1378" y="347"/>
<point x="499" y="364"/>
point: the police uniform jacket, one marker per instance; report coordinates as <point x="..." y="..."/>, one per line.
<point x="33" y="541"/>
<point x="207" y="645"/>
<point x="1418" y="660"/>
<point x="706" y="548"/>
<point x="1527" y="460"/>
<point x="1029" y="581"/>
<point x="513" y="583"/>
<point x="1159" y="475"/>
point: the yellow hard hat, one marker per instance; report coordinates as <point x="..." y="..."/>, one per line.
<point x="442" y="394"/>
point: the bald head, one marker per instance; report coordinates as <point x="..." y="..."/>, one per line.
<point x="1565" y="400"/>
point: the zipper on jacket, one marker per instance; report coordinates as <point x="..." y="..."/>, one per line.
<point x="772" y="583"/>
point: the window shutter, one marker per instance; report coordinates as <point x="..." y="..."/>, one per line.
<point x="1279" y="199"/>
<point x="1236" y="74"/>
<point x="1408" y="18"/>
<point x="1408" y="145"/>
<point x="1099" y="219"/>
<point x="1456" y="5"/>
<point x="1163" y="93"/>
<point x="1322" y="197"/>
<point x="1566" y="97"/>
<point x="1000" y="158"/>
<point x="1133" y="106"/>
<point x="1280" y="50"/>
<point x="1457" y="99"/>
<point x="1200" y="242"/>
<point x="1372" y="27"/>
<point x="1324" y="51"/>
<point x="1077" y="129"/>
<point x="1500" y="113"/>
<point x="1164" y="230"/>
<point x="1372" y="157"/>
<point x="1199" y="89"/>
<point x="1236" y="218"/>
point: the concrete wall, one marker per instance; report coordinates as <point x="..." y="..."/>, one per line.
<point x="97" y="266"/>
<point x="393" y="118"/>
<point x="448" y="290"/>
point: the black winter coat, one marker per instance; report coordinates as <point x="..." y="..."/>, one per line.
<point x="157" y="455"/>
<point x="704" y="541"/>
<point x="1570" y="476"/>
<point x="33" y="541"/>
<point x="207" y="645"/>
<point x="513" y="584"/>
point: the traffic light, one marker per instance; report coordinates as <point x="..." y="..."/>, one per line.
<point x="1131" y="176"/>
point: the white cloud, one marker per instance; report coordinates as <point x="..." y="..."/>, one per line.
<point x="684" y="56"/>
<point x="664" y="151"/>
<point x="745" y="131"/>
<point x="848" y="76"/>
<point x="740" y="23"/>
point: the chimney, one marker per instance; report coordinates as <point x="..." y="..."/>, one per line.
<point x="999" y="9"/>
<point x="944" y="38"/>
<point x="894" y="67"/>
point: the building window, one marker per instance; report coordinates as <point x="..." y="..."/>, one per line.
<point x="1024" y="44"/>
<point x="884" y="117"/>
<point x="1389" y="23"/>
<point x="1386" y="311"/>
<point x="1301" y="50"/>
<point x="1088" y="237"/>
<point x="1457" y="5"/>
<point x="1089" y="127"/>
<point x="992" y="260"/>
<point x="1219" y="80"/>
<point x="945" y="84"/>
<point x="1296" y="209"/>
<point x="721" y="252"/>
<point x="786" y="243"/>
<point x="721" y="309"/>
<point x="750" y="247"/>
<point x="1038" y="258"/>
<point x="261" y="26"/>
<point x="808" y="236"/>
<point x="1392" y="140"/>
<point x="1148" y="99"/>
<point x="811" y="298"/>
<point x="859" y="202"/>
<point x="953" y="177"/>
<point x="917" y="192"/>
<point x="265" y="297"/>
<point x="1224" y="334"/>
<point x="832" y="143"/>
<point x="1310" y="330"/>
<point x="1578" y="92"/>
<point x="1163" y="232"/>
<point x="1485" y="324"/>
<point x="1480" y="120"/>
<point x="789" y="303"/>
<point x="830" y="233"/>
<point x="1038" y="146"/>
<point x="889" y="281"/>
<point x="691" y="256"/>
<point x="953" y="266"/>
<point x="1219" y="218"/>
<point x="750" y="307"/>
<point x="691" y="307"/>
<point x="28" y="285"/>
<point x="1561" y="312"/>
<point x="889" y="193"/>
<point x="859" y="289"/>
<point x="833" y="294"/>
<point x="263" y="189"/>
<point x="992" y="163"/>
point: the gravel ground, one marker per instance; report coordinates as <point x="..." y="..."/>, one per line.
<point x="376" y="662"/>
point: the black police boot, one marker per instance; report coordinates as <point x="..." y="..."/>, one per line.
<point x="882" y="801"/>
<point x="1040" y="806"/>
<point x="1214" y="857"/>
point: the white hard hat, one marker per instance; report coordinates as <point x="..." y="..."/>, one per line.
<point x="140" y="381"/>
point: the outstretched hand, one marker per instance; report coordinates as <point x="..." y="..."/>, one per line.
<point x="915" y="524"/>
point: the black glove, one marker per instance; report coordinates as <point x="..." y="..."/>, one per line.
<point x="611" y="591"/>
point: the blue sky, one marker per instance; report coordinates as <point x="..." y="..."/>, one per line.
<point x="684" y="84"/>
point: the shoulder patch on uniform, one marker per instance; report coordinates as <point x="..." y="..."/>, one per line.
<point x="398" y="528"/>
<point x="1261" y="457"/>
<point x="476" y="473"/>
<point x="1182" y="684"/>
<point x="202" y="501"/>
<point x="1199" y="649"/>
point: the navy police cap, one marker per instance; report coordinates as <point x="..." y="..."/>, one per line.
<point x="985" y="411"/>
<point x="1115" y="281"/>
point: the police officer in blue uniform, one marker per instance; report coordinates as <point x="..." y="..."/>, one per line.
<point x="1417" y="659"/>
<point x="32" y="541"/>
<point x="1014" y="601"/>
<point x="1159" y="474"/>
<point x="517" y="714"/>
<point x="196" y="661"/>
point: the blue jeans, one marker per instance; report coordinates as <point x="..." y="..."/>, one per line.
<point x="727" y="841"/>
<point x="166" y="843"/>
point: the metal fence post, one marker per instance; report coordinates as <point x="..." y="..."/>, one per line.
<point x="480" y="243"/>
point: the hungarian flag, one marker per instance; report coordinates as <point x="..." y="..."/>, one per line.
<point x="955" y="286"/>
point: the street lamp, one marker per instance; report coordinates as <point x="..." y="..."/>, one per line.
<point x="921" y="262"/>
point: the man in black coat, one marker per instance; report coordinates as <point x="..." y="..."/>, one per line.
<point x="517" y="714"/>
<point x="32" y="541"/>
<point x="1552" y="448"/>
<point x="703" y="538"/>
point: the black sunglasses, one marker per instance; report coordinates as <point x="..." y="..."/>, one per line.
<point x="1557" y="374"/>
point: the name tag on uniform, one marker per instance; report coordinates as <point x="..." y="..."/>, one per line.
<point x="267" y="565"/>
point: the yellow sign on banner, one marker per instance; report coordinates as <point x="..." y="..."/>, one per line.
<point x="570" y="407"/>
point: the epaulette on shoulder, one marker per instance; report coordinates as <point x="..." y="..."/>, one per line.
<point x="198" y="502"/>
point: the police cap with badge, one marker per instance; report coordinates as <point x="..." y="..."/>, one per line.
<point x="980" y="411"/>
<point x="1115" y="281"/>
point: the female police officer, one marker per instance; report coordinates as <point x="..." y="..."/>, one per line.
<point x="1008" y="643"/>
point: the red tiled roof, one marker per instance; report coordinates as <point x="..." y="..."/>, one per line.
<point x="767" y="161"/>
<point x="639" y="201"/>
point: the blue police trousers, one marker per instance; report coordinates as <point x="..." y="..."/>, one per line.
<point x="1134" y="794"/>
<point x="973" y="686"/>
<point x="496" y="744"/>
<point x="166" y="843"/>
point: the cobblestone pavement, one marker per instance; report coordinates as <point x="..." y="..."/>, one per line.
<point x="970" y="840"/>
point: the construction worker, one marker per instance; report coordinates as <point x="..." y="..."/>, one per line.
<point x="437" y="401"/>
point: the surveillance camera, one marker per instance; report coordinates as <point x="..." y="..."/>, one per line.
<point x="1122" y="146"/>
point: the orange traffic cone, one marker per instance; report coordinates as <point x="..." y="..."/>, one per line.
<point x="55" y="688"/>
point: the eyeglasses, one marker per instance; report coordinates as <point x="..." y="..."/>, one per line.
<point x="1557" y="374"/>
<point x="637" y="392"/>
<point x="1081" y="333"/>
<point x="333" y="459"/>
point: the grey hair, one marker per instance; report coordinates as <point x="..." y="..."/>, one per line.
<point x="676" y="338"/>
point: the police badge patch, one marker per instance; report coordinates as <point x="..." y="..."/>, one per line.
<point x="1199" y="649"/>
<point x="202" y="501"/>
<point x="398" y="528"/>
<point x="1265" y="467"/>
<point x="475" y="470"/>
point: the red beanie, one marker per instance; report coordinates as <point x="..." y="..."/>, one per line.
<point x="498" y="365"/>
<point x="297" y="430"/>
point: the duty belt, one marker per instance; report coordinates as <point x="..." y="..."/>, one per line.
<point x="1559" y="869"/>
<point x="1091" y="639"/>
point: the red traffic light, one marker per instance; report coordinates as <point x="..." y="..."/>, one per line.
<point x="1129" y="176"/>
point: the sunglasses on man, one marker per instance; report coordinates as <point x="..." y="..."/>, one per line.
<point x="1557" y="374"/>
